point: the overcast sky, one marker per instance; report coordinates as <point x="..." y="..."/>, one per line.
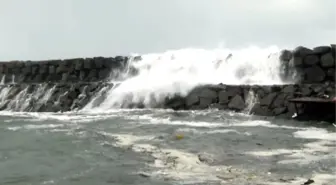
<point x="44" y="29"/>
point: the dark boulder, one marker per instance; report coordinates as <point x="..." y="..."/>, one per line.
<point x="301" y="51"/>
<point x="311" y="60"/>
<point x="237" y="103"/>
<point x="327" y="60"/>
<point x="320" y="50"/>
<point x="314" y="74"/>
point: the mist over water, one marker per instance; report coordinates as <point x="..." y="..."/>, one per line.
<point x="161" y="75"/>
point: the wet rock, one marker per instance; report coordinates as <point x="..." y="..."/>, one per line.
<point x="192" y="99"/>
<point x="237" y="103"/>
<point x="331" y="73"/>
<point x="207" y="93"/>
<point x="257" y="109"/>
<point x="175" y="103"/>
<point x="205" y="158"/>
<point x="314" y="74"/>
<point x="320" y="50"/>
<point x="87" y="63"/>
<point x="301" y="51"/>
<point x="65" y="77"/>
<point x="79" y="64"/>
<point x="223" y="97"/>
<point x="3" y="105"/>
<point x="205" y="102"/>
<point x="289" y="89"/>
<point x="268" y="99"/>
<point x="311" y="60"/>
<point x="286" y="55"/>
<point x="306" y="91"/>
<point x="279" y="100"/>
<point x="279" y="110"/>
<point x="218" y="106"/>
<point x="52" y="70"/>
<point x="327" y="60"/>
<point x="296" y="62"/>
<point x="309" y="181"/>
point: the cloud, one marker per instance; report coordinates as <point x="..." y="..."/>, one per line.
<point x="39" y="29"/>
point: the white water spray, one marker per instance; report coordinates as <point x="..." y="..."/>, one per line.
<point x="163" y="75"/>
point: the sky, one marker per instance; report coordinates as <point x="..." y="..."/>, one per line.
<point x="49" y="29"/>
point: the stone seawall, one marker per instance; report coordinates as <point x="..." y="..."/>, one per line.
<point x="69" y="70"/>
<point x="306" y="65"/>
<point x="259" y="100"/>
<point x="51" y="97"/>
<point x="72" y="84"/>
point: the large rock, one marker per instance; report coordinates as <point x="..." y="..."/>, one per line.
<point x="320" y="50"/>
<point x="314" y="74"/>
<point x="237" y="103"/>
<point x="296" y="61"/>
<point x="301" y="51"/>
<point x="285" y="55"/>
<point x="259" y="110"/>
<point x="191" y="100"/>
<point x="268" y="100"/>
<point x="224" y="97"/>
<point x="311" y="60"/>
<point x="327" y="60"/>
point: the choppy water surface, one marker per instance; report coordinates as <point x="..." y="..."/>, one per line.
<point x="140" y="147"/>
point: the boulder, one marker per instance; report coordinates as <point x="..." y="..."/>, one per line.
<point x="314" y="74"/>
<point x="191" y="100"/>
<point x="208" y="93"/>
<point x="286" y="55"/>
<point x="205" y="102"/>
<point x="331" y="73"/>
<point x="279" y="110"/>
<point x="301" y="51"/>
<point x="237" y="103"/>
<point x="296" y="61"/>
<point x="88" y="63"/>
<point x="333" y="50"/>
<point x="289" y="89"/>
<point x="306" y="91"/>
<point x="320" y="50"/>
<point x="79" y="64"/>
<point x="279" y="101"/>
<point x="223" y="97"/>
<point x="327" y="60"/>
<point x="52" y="69"/>
<point x="268" y="100"/>
<point x="311" y="60"/>
<point x="257" y="109"/>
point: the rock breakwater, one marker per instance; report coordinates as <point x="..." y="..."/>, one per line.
<point x="259" y="100"/>
<point x="305" y="65"/>
<point x="61" y="71"/>
<point x="72" y="84"/>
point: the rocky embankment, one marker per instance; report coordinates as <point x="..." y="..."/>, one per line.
<point x="58" y="85"/>
<point x="311" y="66"/>
<point x="72" y="84"/>
<point x="61" y="71"/>
<point x="259" y="100"/>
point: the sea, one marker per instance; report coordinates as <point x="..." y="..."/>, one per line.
<point x="106" y="144"/>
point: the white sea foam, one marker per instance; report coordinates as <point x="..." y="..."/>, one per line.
<point x="165" y="74"/>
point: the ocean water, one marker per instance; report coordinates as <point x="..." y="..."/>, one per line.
<point x="106" y="144"/>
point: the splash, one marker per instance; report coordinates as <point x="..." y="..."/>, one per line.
<point x="177" y="72"/>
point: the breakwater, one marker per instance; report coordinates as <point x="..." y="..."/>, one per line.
<point x="73" y="84"/>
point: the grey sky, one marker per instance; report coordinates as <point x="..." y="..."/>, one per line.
<point x="43" y="29"/>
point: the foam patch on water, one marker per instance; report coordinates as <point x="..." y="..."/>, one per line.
<point x="35" y="127"/>
<point x="216" y="131"/>
<point x="315" y="133"/>
<point x="171" y="163"/>
<point x="323" y="148"/>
